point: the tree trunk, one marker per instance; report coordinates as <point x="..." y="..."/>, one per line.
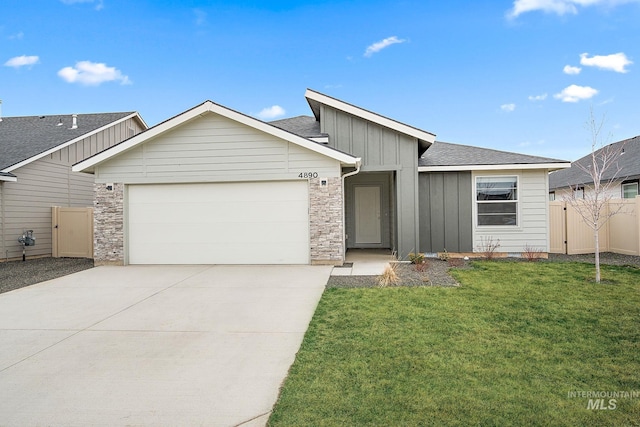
<point x="597" y="249"/>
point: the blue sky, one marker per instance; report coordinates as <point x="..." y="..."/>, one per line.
<point x="510" y="75"/>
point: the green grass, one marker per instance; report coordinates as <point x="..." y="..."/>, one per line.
<point x="504" y="349"/>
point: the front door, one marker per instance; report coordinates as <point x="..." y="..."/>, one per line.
<point x="367" y="211"/>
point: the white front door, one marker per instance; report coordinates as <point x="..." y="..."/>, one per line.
<point x="367" y="211"/>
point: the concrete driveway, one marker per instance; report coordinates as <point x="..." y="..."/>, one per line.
<point x="153" y="345"/>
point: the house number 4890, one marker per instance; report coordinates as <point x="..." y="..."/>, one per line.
<point x="308" y="175"/>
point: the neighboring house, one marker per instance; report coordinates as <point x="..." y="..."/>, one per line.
<point x="36" y="154"/>
<point x="212" y="185"/>
<point x="624" y="171"/>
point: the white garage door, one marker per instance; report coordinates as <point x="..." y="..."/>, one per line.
<point x="221" y="223"/>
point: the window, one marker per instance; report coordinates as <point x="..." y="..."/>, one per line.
<point x="578" y="192"/>
<point x="629" y="189"/>
<point x="497" y="200"/>
<point x="552" y="196"/>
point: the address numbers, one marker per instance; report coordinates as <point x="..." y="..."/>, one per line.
<point x="308" y="175"/>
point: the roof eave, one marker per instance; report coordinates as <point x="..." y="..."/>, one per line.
<point x="8" y="178"/>
<point x="315" y="98"/>
<point x="527" y="166"/>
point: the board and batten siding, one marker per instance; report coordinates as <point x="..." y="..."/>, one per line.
<point x="445" y="212"/>
<point x="49" y="181"/>
<point x="533" y="214"/>
<point x="381" y="149"/>
<point x="213" y="148"/>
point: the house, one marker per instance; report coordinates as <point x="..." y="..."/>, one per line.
<point x="36" y="154"/>
<point x="624" y="173"/>
<point x="212" y="185"/>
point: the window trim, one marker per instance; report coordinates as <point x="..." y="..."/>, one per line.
<point x="517" y="202"/>
<point x="627" y="182"/>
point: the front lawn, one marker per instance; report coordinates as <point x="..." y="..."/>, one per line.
<point x="516" y="344"/>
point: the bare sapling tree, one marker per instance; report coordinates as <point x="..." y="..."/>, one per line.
<point x="603" y="170"/>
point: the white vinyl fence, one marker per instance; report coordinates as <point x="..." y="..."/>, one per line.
<point x="570" y="235"/>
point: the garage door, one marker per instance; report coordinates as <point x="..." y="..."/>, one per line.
<point x="222" y="223"/>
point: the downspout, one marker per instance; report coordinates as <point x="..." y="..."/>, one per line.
<point x="344" y="199"/>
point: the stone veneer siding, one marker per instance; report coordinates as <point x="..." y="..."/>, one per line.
<point x="108" y="224"/>
<point x="325" y="217"/>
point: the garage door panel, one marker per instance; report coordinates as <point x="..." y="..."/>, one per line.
<point x="280" y="232"/>
<point x="222" y="223"/>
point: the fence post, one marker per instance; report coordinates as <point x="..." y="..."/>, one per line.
<point x="637" y="213"/>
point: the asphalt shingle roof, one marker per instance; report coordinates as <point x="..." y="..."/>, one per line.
<point x="305" y="126"/>
<point x="627" y="166"/>
<point x="447" y="154"/>
<point x="24" y="137"/>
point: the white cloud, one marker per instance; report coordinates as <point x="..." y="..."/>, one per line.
<point x="92" y="74"/>
<point x="16" y="36"/>
<point x="538" y="97"/>
<point x="272" y="112"/>
<point x="614" y="62"/>
<point x="568" y="69"/>
<point x="576" y="93"/>
<point x="21" y="61"/>
<point x="378" y="46"/>
<point x="508" y="107"/>
<point x="559" y="7"/>
<point x="99" y="3"/>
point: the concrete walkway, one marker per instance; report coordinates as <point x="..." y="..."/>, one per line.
<point x="153" y="345"/>
<point x="364" y="262"/>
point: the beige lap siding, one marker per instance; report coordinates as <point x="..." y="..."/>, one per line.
<point x="108" y="214"/>
<point x="325" y="216"/>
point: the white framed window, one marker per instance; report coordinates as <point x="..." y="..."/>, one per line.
<point x="497" y="200"/>
<point x="578" y="192"/>
<point x="552" y="196"/>
<point x="629" y="189"/>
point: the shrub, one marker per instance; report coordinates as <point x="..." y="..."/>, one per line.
<point x="532" y="254"/>
<point x="389" y="276"/>
<point x="416" y="258"/>
<point x="488" y="247"/>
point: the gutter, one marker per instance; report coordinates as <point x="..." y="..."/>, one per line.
<point x="344" y="198"/>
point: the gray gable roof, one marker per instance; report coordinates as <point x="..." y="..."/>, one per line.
<point x="628" y="164"/>
<point x="447" y="154"/>
<point x="22" y="138"/>
<point x="305" y="126"/>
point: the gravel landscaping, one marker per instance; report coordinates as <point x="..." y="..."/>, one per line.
<point x="17" y="274"/>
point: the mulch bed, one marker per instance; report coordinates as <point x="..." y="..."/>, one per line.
<point x="436" y="273"/>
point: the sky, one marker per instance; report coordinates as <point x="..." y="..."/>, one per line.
<point x="517" y="75"/>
